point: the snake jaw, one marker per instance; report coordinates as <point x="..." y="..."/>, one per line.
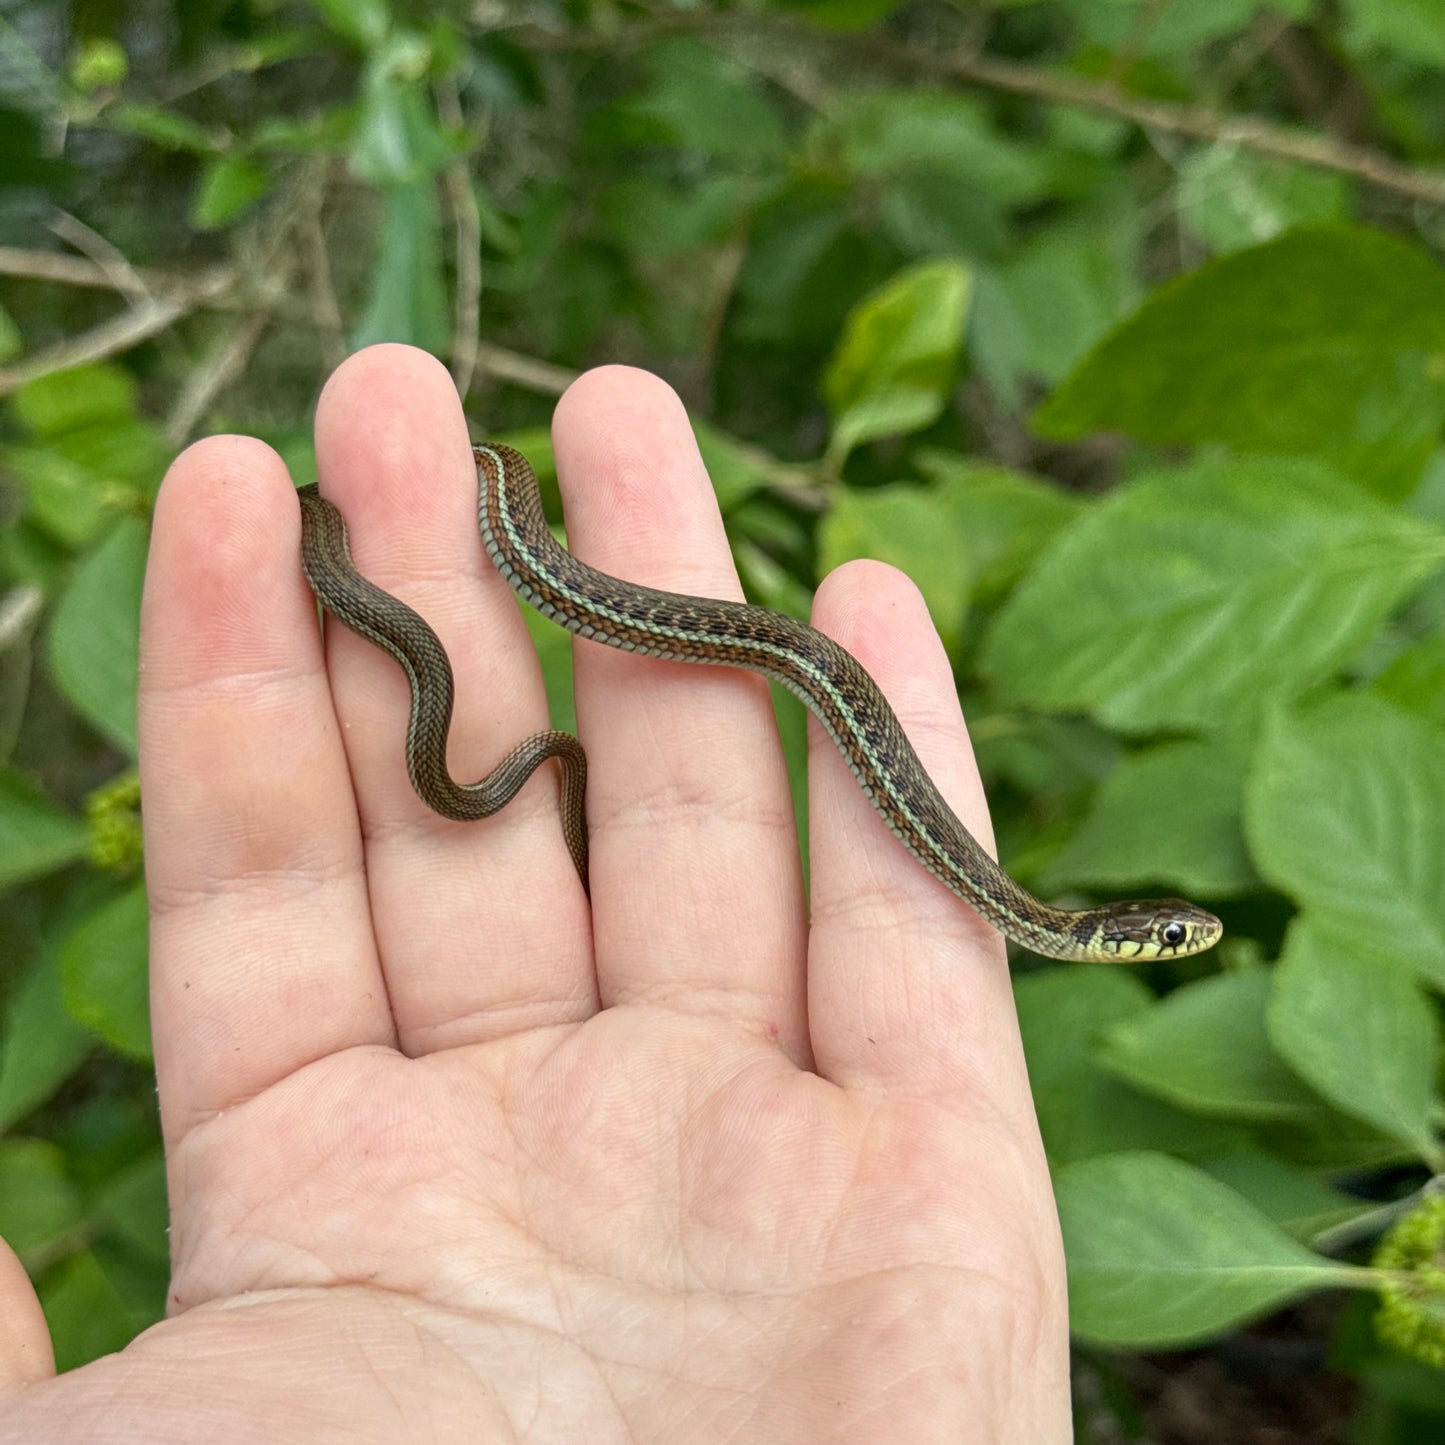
<point x="1157" y="928"/>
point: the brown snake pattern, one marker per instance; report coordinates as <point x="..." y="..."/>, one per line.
<point x="828" y="679"/>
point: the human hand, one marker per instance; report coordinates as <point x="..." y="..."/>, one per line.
<point x="453" y="1156"/>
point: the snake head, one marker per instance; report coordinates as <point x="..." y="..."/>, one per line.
<point x="1157" y="928"/>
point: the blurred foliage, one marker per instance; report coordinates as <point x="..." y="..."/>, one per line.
<point x="1118" y="324"/>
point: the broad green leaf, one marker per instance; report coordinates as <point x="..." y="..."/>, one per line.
<point x="1064" y="757"/>
<point x="1204" y="1047"/>
<point x="1356" y="1025"/>
<point x="94" y="640"/>
<point x="1329" y="341"/>
<point x="38" y="1204"/>
<point x="679" y="218"/>
<point x="40" y="1044"/>
<point x="893" y="366"/>
<point x="1174" y="31"/>
<point x="801" y="254"/>
<point x="1345" y="812"/>
<point x="366" y="23"/>
<point x="1168" y="816"/>
<point x="1162" y="1255"/>
<point x="408" y="295"/>
<point x="1415" y="680"/>
<point x="554" y="651"/>
<point x="1189" y="599"/>
<point x="75" y="484"/>
<point x="1334" y="1142"/>
<point x="913" y="530"/>
<point x="229" y="186"/>
<point x="399" y="140"/>
<point x="1414" y="29"/>
<point x="133" y="1203"/>
<point x="36" y="837"/>
<point x="1084" y="1111"/>
<point x="897" y="132"/>
<point x="103" y="973"/>
<point x="1006" y="518"/>
<point x="61" y="401"/>
<point x="1231" y="197"/>
<point x="734" y="470"/>
<point x="1296" y="1200"/>
<point x="88" y="1315"/>
<point x="699" y="100"/>
<point x="1068" y="286"/>
<point x="928" y="213"/>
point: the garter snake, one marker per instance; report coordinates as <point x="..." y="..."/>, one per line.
<point x="832" y="684"/>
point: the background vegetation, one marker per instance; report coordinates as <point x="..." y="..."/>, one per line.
<point x="1119" y="324"/>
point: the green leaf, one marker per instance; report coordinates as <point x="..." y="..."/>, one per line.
<point x="701" y="101"/>
<point x="88" y="1315"/>
<point x="1068" y="286"/>
<point x="1345" y="812"/>
<point x="399" y="141"/>
<point x="40" y="1044"/>
<point x="1415" y="680"/>
<point x="913" y="530"/>
<point x="734" y="470"/>
<point x="408" y="295"/>
<point x="1356" y="1025"/>
<point x="899" y="132"/>
<point x="1204" y="1047"/>
<point x="1084" y="1111"/>
<point x="1189" y="599"/>
<point x="679" y="219"/>
<point x="895" y="361"/>
<point x="1293" y="1198"/>
<point x="62" y="401"/>
<point x="1329" y="341"/>
<point x="103" y="972"/>
<point x="366" y="23"/>
<point x="166" y="128"/>
<point x="133" y="1203"/>
<point x="1231" y="198"/>
<point x="1412" y="28"/>
<point x="94" y="639"/>
<point x="1006" y="518"/>
<point x="36" y="837"/>
<point x="1168" y="816"/>
<point x="38" y="1204"/>
<point x="229" y="187"/>
<point x="1162" y="1255"/>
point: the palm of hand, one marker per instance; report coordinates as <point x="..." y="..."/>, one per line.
<point x="583" y="1225"/>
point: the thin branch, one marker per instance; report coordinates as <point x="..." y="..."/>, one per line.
<point x="467" y="328"/>
<point x="118" y="334"/>
<point x="108" y="258"/>
<point x="526" y="371"/>
<point x="141" y="281"/>
<point x="1199" y="123"/>
<point x="1196" y="122"/>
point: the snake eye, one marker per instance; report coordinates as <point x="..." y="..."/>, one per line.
<point x="1172" y="934"/>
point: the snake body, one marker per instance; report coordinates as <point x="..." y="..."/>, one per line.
<point x="829" y="680"/>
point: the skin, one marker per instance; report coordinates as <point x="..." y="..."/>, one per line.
<point x="453" y="1157"/>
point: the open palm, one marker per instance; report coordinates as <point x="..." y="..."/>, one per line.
<point x="455" y="1157"/>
